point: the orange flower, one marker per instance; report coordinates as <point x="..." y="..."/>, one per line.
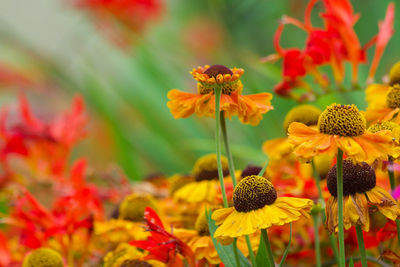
<point x="249" y="108"/>
<point x="383" y="102"/>
<point x="340" y="127"/>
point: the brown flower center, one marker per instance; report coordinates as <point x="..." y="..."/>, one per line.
<point x="393" y="97"/>
<point x="253" y="193"/>
<point x="357" y="178"/>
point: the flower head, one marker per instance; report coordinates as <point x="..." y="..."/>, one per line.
<point x="306" y="114"/>
<point x="256" y="206"/>
<point x="340" y="127"/>
<point x="43" y="257"/>
<point x="249" y="108"/>
<point x="360" y="195"/>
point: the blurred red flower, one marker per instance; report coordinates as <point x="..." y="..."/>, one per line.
<point x="162" y="245"/>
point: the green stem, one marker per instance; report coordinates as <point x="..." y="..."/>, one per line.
<point x="235" y="252"/>
<point x="391" y="175"/>
<point x="316" y="237"/>
<point x="227" y="149"/>
<point x="332" y="238"/>
<point x="392" y="187"/>
<point x="339" y="167"/>
<point x="361" y="246"/>
<point x="218" y="145"/>
<point x="268" y="247"/>
<point x="217" y="92"/>
<point x="251" y="252"/>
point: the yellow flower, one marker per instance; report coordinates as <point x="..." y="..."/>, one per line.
<point x="43" y="257"/>
<point x="199" y="240"/>
<point x="394" y="128"/>
<point x="117" y="231"/>
<point x="360" y="195"/>
<point x="205" y="187"/>
<point x="383" y="102"/>
<point x="127" y="255"/>
<point x="255" y="207"/>
<point x="249" y="108"/>
<point x="133" y="206"/>
<point x="344" y="127"/>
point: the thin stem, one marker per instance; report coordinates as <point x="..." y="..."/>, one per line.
<point x="218" y="145"/>
<point x="217" y="92"/>
<point x="251" y="252"/>
<point x="332" y="238"/>
<point x="361" y="246"/>
<point x="268" y="247"/>
<point x="392" y="187"/>
<point x="227" y="149"/>
<point x="316" y="238"/>
<point x="235" y="252"/>
<point x="339" y="167"/>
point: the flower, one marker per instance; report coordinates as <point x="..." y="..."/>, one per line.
<point x="127" y="255"/>
<point x="360" y="195"/>
<point x="340" y="127"/>
<point x="200" y="241"/>
<point x="332" y="45"/>
<point x="384" y="99"/>
<point x="45" y="145"/>
<point x="121" y="20"/>
<point x="385" y="33"/>
<point x="255" y="207"/>
<point x="161" y="245"/>
<point x="133" y="207"/>
<point x="249" y="108"/>
<point x="43" y="257"/>
<point x="205" y="186"/>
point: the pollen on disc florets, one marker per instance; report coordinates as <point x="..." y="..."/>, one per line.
<point x="253" y="193"/>
<point x="384" y="125"/>
<point x="218" y="75"/>
<point x="306" y="114"/>
<point x="357" y="178"/>
<point x="201" y="225"/>
<point x="394" y="74"/>
<point x="393" y="96"/>
<point x="133" y="207"/>
<point x="205" y="167"/>
<point x="343" y="120"/>
<point x="43" y="257"/>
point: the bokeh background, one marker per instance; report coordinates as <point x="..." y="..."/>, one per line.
<point x="61" y="51"/>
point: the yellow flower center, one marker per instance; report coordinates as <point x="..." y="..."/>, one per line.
<point x="394" y="74"/>
<point x="216" y="72"/>
<point x="205" y="167"/>
<point x="380" y="126"/>
<point x="253" y="193"/>
<point x="114" y="257"/>
<point x="343" y="120"/>
<point x="43" y="257"/>
<point x="178" y="181"/>
<point x="306" y="114"/>
<point x="357" y="178"/>
<point x="133" y="206"/>
<point x="201" y="225"/>
<point x="393" y="97"/>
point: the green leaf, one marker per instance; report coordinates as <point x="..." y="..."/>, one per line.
<point x="225" y="252"/>
<point x="287" y="248"/>
<point x="262" y="257"/>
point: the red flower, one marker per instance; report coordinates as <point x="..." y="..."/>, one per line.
<point x="162" y="245"/>
<point x="334" y="44"/>
<point x="121" y="20"/>
<point x="45" y="145"/>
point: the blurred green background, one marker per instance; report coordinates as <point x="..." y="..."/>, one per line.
<point x="125" y="91"/>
